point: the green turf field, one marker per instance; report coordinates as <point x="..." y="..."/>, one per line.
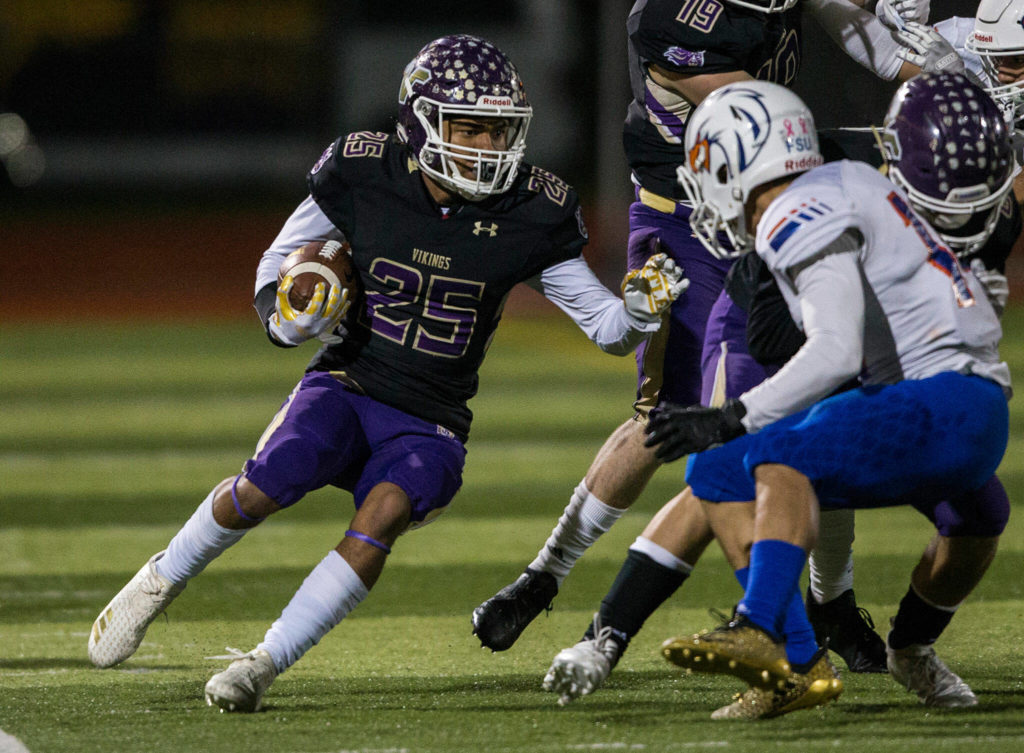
<point x="110" y="436"/>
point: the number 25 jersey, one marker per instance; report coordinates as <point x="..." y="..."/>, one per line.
<point x="434" y="284"/>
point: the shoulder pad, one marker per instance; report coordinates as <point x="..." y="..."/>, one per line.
<point x="806" y="217"/>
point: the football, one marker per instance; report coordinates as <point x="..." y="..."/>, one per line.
<point x="320" y="261"/>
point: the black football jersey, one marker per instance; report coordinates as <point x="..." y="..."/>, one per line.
<point x="694" y="37"/>
<point x="434" y="284"/>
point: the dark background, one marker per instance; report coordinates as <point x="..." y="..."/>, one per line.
<point x="167" y="140"/>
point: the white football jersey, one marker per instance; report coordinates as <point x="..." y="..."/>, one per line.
<point x="919" y="312"/>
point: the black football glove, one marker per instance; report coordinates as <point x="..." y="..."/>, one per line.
<point x="678" y="430"/>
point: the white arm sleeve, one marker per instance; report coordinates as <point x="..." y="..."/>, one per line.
<point x="860" y="34"/>
<point x="832" y="306"/>
<point x="307" y="223"/>
<point x="573" y="287"/>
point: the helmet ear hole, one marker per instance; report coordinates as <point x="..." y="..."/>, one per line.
<point x="722" y="175"/>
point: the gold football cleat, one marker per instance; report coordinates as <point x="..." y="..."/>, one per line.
<point x="738" y="648"/>
<point x="818" y="686"/>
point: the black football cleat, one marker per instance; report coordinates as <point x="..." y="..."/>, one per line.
<point x="849" y="631"/>
<point x="500" y="620"/>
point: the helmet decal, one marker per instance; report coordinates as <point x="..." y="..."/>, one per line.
<point x="700" y="155"/>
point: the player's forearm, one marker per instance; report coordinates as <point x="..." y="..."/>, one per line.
<point x="307" y="223"/>
<point x="859" y="34"/>
<point x="575" y="289"/>
<point x="832" y="308"/>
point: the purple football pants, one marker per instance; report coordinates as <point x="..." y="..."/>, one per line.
<point x="326" y="434"/>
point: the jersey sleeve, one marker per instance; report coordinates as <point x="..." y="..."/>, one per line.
<point x="859" y="34"/>
<point x="554" y="205"/>
<point x="331" y="180"/>
<point x="574" y="288"/>
<point x="807" y="217"/>
<point x="831" y="300"/>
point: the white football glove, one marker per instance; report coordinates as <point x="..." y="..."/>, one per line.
<point x="334" y="336"/>
<point x="894" y="14"/>
<point x="649" y="291"/>
<point x="321" y="315"/>
<point x="928" y="50"/>
<point x="996" y="287"/>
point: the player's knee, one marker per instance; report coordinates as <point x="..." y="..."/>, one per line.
<point x="983" y="512"/>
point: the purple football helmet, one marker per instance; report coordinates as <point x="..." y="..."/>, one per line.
<point x="947" y="145"/>
<point x="466" y="76"/>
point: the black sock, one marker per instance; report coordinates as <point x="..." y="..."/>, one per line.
<point x="917" y="622"/>
<point x="641" y="586"/>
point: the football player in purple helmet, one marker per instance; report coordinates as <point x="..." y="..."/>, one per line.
<point x="464" y="114"/>
<point x="443" y="218"/>
<point x="948" y="146"/>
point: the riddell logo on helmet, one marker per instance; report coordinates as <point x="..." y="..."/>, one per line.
<point x="804" y="163"/>
<point x="979" y="37"/>
<point x="496" y="101"/>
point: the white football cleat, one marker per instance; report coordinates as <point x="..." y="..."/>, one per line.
<point x="121" y="626"/>
<point x="581" y="669"/>
<point x="241" y="686"/>
<point x="918" y="669"/>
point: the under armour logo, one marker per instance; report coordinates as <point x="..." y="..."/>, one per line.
<point x="478" y="227"/>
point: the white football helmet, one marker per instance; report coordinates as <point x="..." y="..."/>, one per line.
<point x="765" y="6"/>
<point x="740" y="137"/>
<point x="999" y="32"/>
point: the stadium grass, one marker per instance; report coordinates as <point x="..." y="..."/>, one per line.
<point x="111" y="436"/>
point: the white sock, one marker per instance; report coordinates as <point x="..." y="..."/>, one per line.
<point x="326" y="596"/>
<point x="583" y="521"/>
<point x="661" y="555"/>
<point x="831" y="561"/>
<point x="199" y="542"/>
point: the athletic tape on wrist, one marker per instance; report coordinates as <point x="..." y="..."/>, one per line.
<point x="369" y="540"/>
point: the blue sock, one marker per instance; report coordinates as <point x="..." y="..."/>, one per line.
<point x="801" y="645"/>
<point x="772" y="583"/>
